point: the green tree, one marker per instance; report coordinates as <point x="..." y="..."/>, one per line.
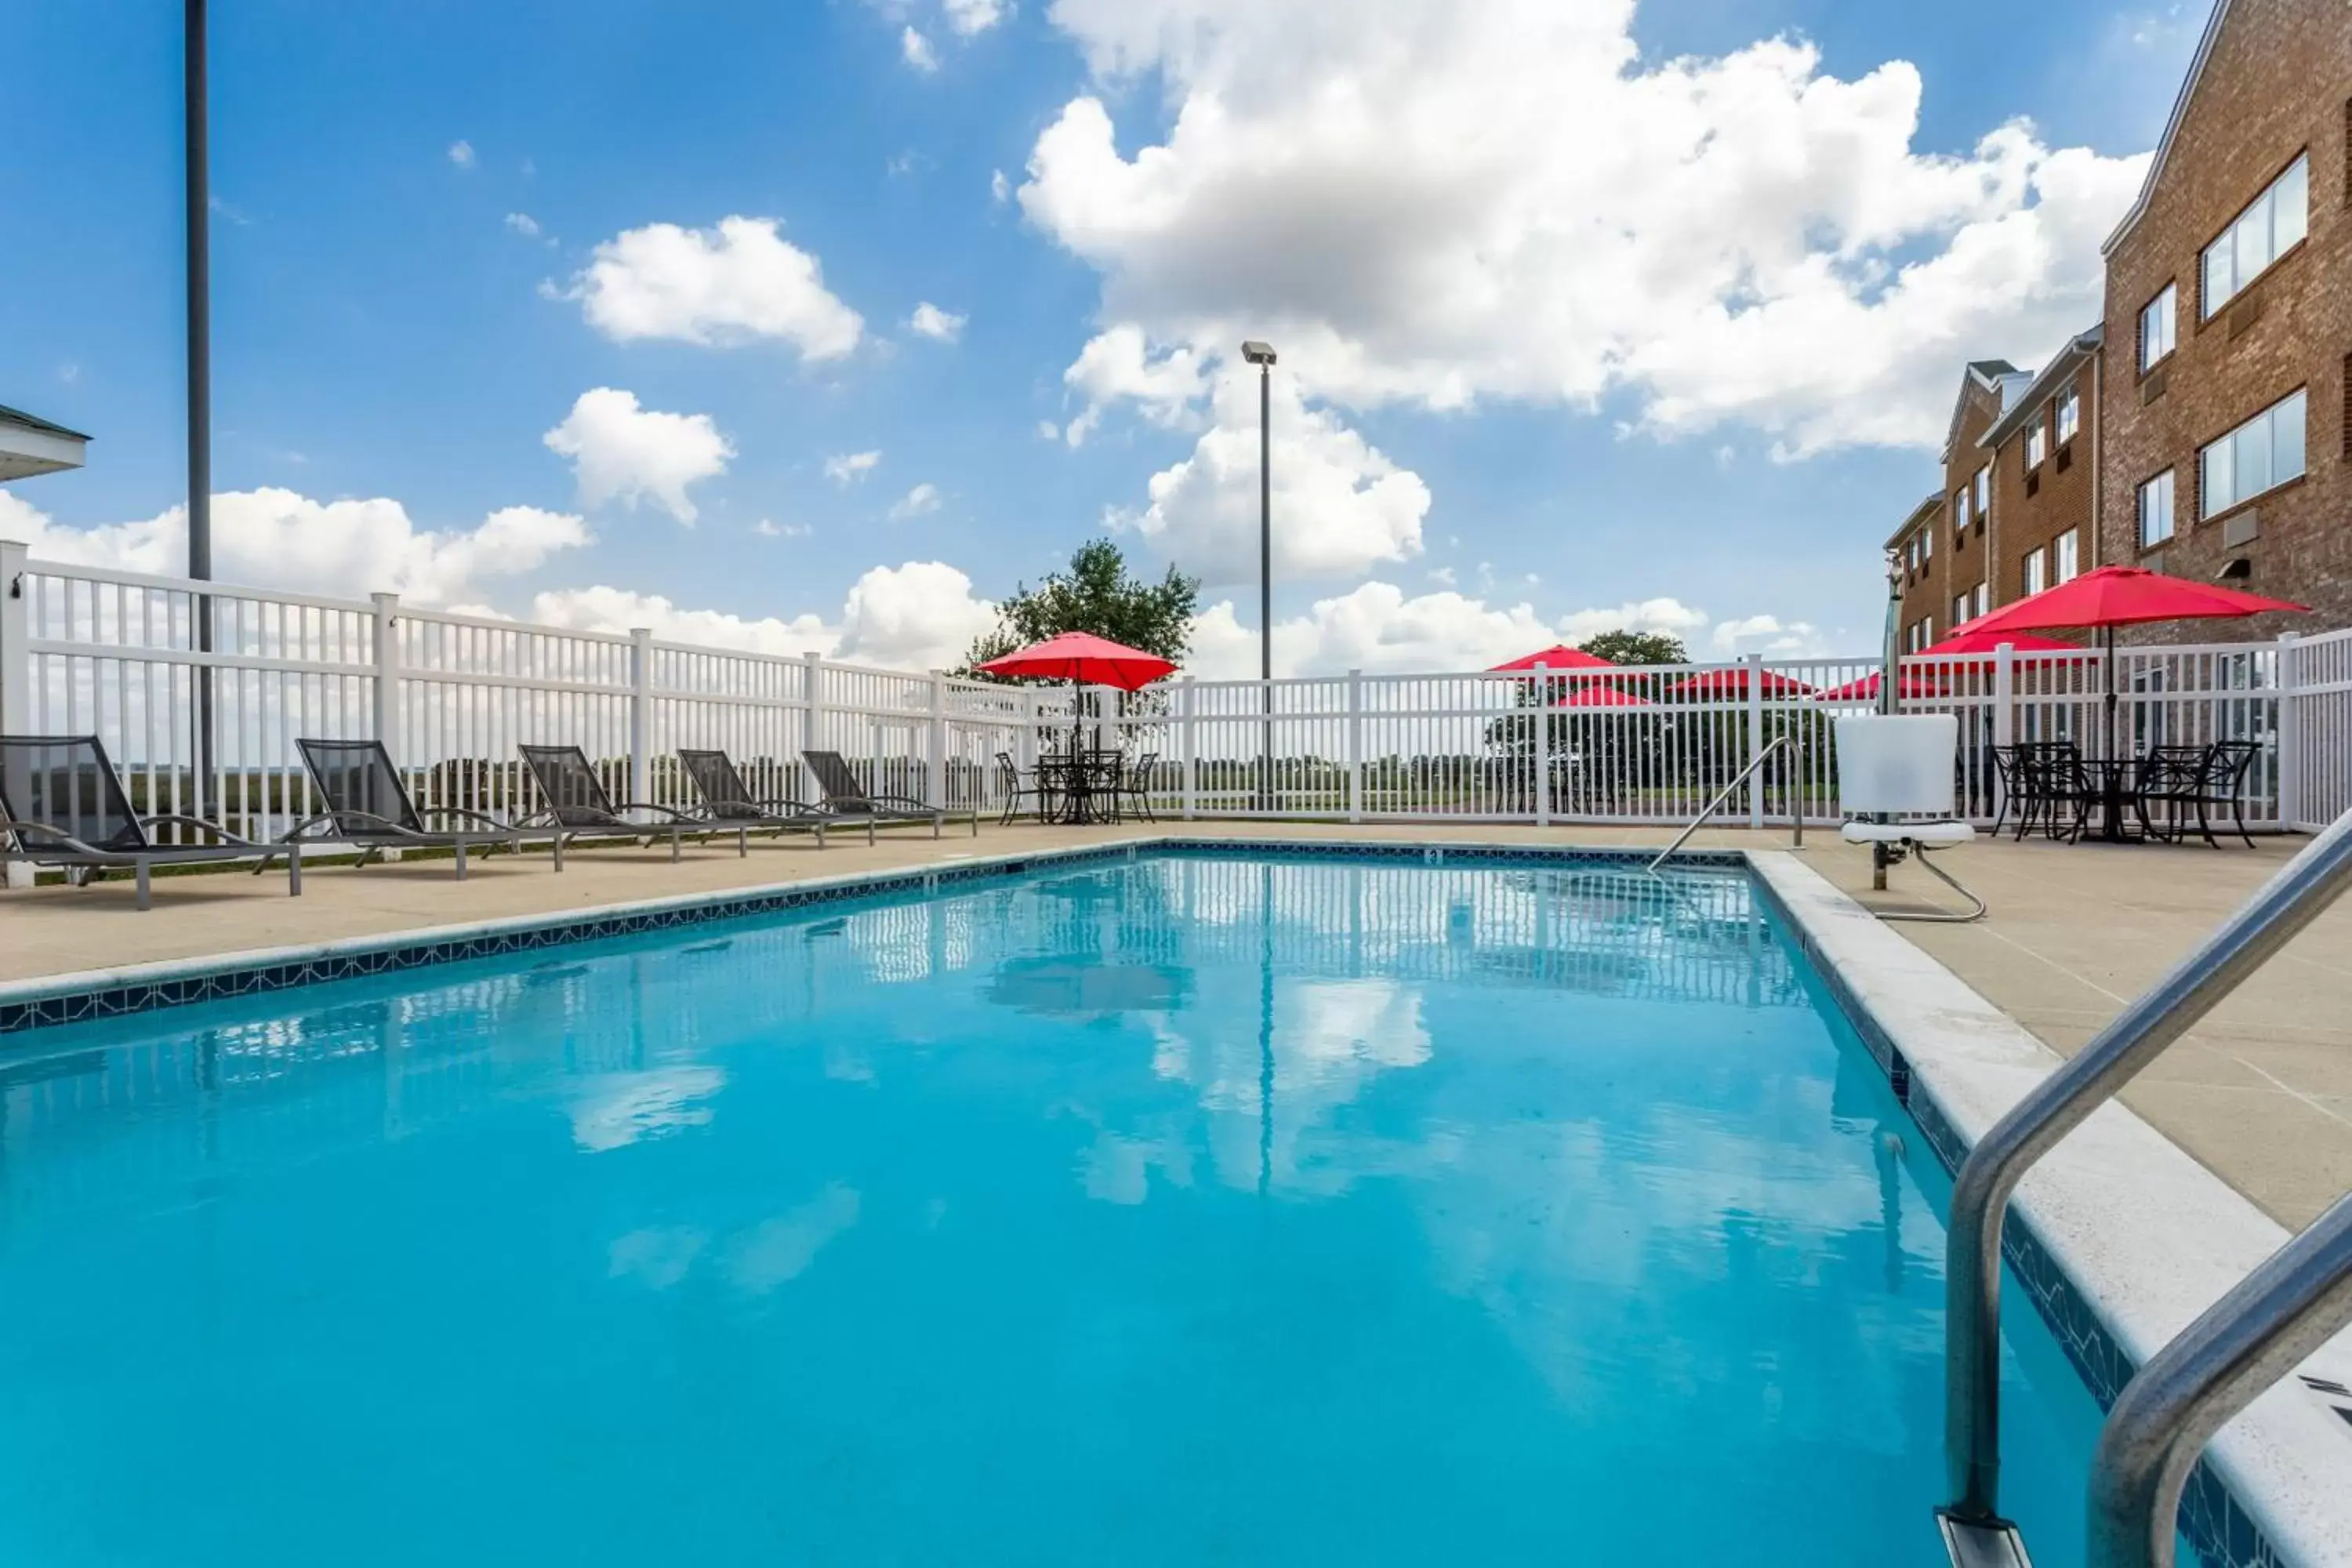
<point x="1096" y="593"/>
<point x="1623" y="647"/>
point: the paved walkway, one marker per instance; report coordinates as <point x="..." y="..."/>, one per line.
<point x="2260" y="1092"/>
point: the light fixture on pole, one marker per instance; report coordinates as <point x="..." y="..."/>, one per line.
<point x="1262" y="355"/>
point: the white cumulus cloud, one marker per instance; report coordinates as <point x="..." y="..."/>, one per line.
<point x="623" y="452"/>
<point x="1378" y="627"/>
<point x="847" y="467"/>
<point x="1339" y="505"/>
<point x="941" y="326"/>
<point x="917" y="51"/>
<point x="462" y="154"/>
<point x="967" y="17"/>
<point x="740" y="281"/>
<point x="1505" y="200"/>
<point x="924" y="498"/>
<point x="280" y="539"/>
<point x="523" y="224"/>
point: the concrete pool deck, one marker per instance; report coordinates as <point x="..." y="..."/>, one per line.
<point x="2260" y="1092"/>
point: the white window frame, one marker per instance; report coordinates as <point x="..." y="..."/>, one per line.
<point x="1959" y="611"/>
<point x="2067" y="557"/>
<point x="2163" y="314"/>
<point x="2270" y="226"/>
<point x="2035" y="573"/>
<point x="1959" y="512"/>
<point x="1981" y="488"/>
<point x="2070" y="415"/>
<point x="2036" y="443"/>
<point x="2158" y="521"/>
<point x="2280" y="435"/>
<point x="1983" y="601"/>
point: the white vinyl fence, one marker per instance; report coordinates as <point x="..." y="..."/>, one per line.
<point x="88" y="651"/>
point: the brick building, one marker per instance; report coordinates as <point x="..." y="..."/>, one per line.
<point x="1944" y="543"/>
<point x="2229" y="307"/>
<point x="2044" y="452"/>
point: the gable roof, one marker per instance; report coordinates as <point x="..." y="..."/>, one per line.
<point x="18" y="417"/>
<point x="1981" y="375"/>
<point x="1933" y="504"/>
<point x="2171" y="126"/>
<point x="2028" y="393"/>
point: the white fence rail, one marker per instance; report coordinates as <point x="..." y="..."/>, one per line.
<point x="88" y="651"/>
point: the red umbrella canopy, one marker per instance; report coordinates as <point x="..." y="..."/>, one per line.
<point x="1919" y="683"/>
<point x="1084" y="657"/>
<point x="1975" y="641"/>
<point x="1560" y="655"/>
<point x="2122" y="596"/>
<point x="1724" y="685"/>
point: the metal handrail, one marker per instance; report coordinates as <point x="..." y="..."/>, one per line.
<point x="1726" y="793"/>
<point x="2292" y="1304"/>
<point x="2282" y="907"/>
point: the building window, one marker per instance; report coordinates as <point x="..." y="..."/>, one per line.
<point x="2273" y="223"/>
<point x="1983" y="603"/>
<point x="1959" y="514"/>
<point x="2070" y="415"/>
<point x="1926" y="545"/>
<point x="1959" y="610"/>
<point x="2155" y="326"/>
<point x="2064" y="559"/>
<point x="2156" y="510"/>
<point x="1983" y="487"/>
<point x="2264" y="452"/>
<point x="2036" y="563"/>
<point x="2035" y="436"/>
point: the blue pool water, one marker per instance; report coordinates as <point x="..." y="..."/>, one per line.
<point x="1169" y="1211"/>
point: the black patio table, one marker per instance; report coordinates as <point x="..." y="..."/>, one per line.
<point x="2114" y="786"/>
<point x="1083" y="785"/>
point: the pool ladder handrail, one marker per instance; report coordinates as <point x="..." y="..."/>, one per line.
<point x="2210" y="1370"/>
<point x="1724" y="794"/>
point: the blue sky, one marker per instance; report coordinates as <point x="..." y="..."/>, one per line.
<point x="1483" y="425"/>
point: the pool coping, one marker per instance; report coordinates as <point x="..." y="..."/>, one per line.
<point x="2120" y="1236"/>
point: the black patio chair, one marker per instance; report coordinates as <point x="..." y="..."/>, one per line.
<point x="845" y="798"/>
<point x="2055" y="787"/>
<point x="1016" y="792"/>
<point x="2185" y="779"/>
<point x="1135" y="786"/>
<point x="726" y="799"/>
<point x="62" y="805"/>
<point x="369" y="807"/>
<point x="577" y="806"/>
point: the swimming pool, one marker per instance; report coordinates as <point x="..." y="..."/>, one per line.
<point x="1175" y="1210"/>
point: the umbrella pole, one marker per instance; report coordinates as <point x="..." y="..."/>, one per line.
<point x="1890" y="661"/>
<point x="2107" y="645"/>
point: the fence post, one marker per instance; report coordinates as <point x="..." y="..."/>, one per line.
<point x="812" y="709"/>
<point x="15" y="664"/>
<point x="1540" y="751"/>
<point x="1187" y="746"/>
<point x="1755" y="739"/>
<point x="641" y="708"/>
<point x="2290" y="737"/>
<point x="387" y="672"/>
<point x="1355" y="745"/>
<point x="934" y="777"/>
<point x="2004" y="714"/>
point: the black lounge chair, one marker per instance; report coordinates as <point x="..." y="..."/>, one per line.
<point x="368" y="808"/>
<point x="578" y="806"/>
<point x="726" y="800"/>
<point x="845" y="798"/>
<point x="63" y="805"/>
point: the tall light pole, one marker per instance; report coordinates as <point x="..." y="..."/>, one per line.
<point x="200" y="384"/>
<point x="1262" y="355"/>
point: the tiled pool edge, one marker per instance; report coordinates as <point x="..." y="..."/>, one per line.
<point x="2120" y="1237"/>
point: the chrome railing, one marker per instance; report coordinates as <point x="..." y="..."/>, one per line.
<point x="1723" y="794"/>
<point x="2287" y="1308"/>
<point x="2282" y="907"/>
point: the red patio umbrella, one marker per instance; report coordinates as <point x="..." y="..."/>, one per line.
<point x="1924" y="683"/>
<point x="1731" y="685"/>
<point x="1082" y="658"/>
<point x="1593" y="694"/>
<point x="1560" y="655"/>
<point x="2112" y="596"/>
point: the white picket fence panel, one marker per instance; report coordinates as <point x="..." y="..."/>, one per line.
<point x="84" y="650"/>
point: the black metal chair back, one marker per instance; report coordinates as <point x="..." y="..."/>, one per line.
<point x="65" y="784"/>
<point x="575" y="796"/>
<point x="722" y="788"/>
<point x="2223" y="774"/>
<point x="358" y="782"/>
<point x="839" y="782"/>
